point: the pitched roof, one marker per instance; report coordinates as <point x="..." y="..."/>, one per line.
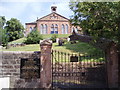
<point x="32" y="22"/>
<point x="53" y="13"/>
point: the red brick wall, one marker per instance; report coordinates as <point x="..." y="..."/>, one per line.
<point x="28" y="27"/>
<point x="49" y="23"/>
<point x="59" y="20"/>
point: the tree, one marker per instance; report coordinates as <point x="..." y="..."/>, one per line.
<point x="4" y="37"/>
<point x="14" y="29"/>
<point x="53" y="37"/>
<point x="33" y="37"/>
<point x="2" y="21"/>
<point x="3" y="34"/>
<point x="98" y="19"/>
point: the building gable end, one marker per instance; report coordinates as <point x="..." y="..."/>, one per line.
<point x="54" y="16"/>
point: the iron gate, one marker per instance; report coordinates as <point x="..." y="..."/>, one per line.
<point x="78" y="71"/>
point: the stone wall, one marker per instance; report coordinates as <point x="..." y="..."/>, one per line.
<point x="10" y="63"/>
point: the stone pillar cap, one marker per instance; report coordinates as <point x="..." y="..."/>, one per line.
<point x="46" y="42"/>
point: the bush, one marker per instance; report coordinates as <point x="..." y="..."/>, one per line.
<point x="64" y="40"/>
<point x="33" y="38"/>
<point x="4" y="38"/>
<point x="53" y="38"/>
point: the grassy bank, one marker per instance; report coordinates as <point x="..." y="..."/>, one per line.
<point x="45" y="36"/>
<point x="80" y="47"/>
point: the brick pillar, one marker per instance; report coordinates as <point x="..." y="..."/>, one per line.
<point x="46" y="70"/>
<point x="112" y="66"/>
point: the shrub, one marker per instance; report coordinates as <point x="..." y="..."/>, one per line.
<point x="4" y="38"/>
<point x="33" y="38"/>
<point x="64" y="40"/>
<point x="53" y="37"/>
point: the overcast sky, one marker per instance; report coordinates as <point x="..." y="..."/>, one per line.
<point x="29" y="10"/>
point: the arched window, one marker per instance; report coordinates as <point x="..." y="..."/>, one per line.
<point x="46" y="29"/>
<point x="30" y="29"/>
<point x="73" y="29"/>
<point x="41" y="29"/>
<point x="52" y="29"/>
<point x="56" y="29"/>
<point x="66" y="31"/>
<point x="63" y="29"/>
<point x="76" y="30"/>
<point x="34" y="28"/>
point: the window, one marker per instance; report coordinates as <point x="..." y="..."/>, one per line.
<point x="52" y="29"/>
<point x="66" y="29"/>
<point x="56" y="29"/>
<point x="41" y="29"/>
<point x="73" y="29"/>
<point x="45" y="29"/>
<point x="76" y="30"/>
<point x="30" y="29"/>
<point x="63" y="29"/>
<point x="34" y="28"/>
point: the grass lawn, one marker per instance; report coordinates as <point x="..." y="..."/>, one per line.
<point x="31" y="47"/>
<point x="45" y="36"/>
<point x="17" y="41"/>
<point x="86" y="52"/>
<point x="80" y="47"/>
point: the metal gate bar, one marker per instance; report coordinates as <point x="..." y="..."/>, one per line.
<point x="78" y="71"/>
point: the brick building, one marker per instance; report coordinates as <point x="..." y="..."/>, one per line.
<point x="52" y="23"/>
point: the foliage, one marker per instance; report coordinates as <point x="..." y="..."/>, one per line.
<point x="3" y="34"/>
<point x="98" y="19"/>
<point x="33" y="38"/>
<point x="65" y="40"/>
<point x="4" y="37"/>
<point x="53" y="37"/>
<point x="14" y="29"/>
<point x="2" y="21"/>
<point x="21" y="40"/>
<point x="46" y="36"/>
<point x="82" y="48"/>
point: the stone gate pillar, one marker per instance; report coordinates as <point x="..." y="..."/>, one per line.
<point x="46" y="70"/>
